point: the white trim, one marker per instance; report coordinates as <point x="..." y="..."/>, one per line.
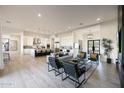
<point x="1" y="53"/>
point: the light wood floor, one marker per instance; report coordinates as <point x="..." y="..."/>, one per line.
<point x="26" y="71"/>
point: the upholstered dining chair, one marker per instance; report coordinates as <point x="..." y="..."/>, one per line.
<point x="82" y="55"/>
<point x="94" y="57"/>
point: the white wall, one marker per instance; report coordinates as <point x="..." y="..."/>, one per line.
<point x="23" y="38"/>
<point x="28" y="39"/>
<point x="14" y="37"/>
<point x="66" y="39"/>
<point x="109" y="30"/>
<point x="14" y="34"/>
<point x="103" y="30"/>
<point x="81" y="34"/>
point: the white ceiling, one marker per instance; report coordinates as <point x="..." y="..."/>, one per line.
<point x="55" y="19"/>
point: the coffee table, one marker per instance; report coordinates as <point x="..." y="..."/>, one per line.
<point x="86" y="62"/>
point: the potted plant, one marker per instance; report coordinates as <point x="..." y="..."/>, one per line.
<point x="107" y="44"/>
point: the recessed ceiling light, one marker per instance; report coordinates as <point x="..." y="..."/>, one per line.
<point x="69" y="27"/>
<point x="98" y="19"/>
<point x="39" y="15"/>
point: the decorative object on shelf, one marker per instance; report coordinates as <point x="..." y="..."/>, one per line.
<point x="13" y="45"/>
<point x="36" y="41"/>
<point x="107" y="44"/>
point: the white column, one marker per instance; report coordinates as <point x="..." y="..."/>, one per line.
<point x="1" y="53"/>
<point x="75" y="51"/>
<point x="22" y="43"/>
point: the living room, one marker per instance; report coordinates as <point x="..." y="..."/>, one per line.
<point x="33" y="33"/>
